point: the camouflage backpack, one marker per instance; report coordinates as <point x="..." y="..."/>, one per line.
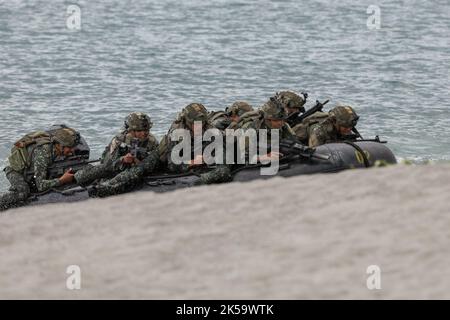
<point x="163" y="146"/>
<point x="301" y="129"/>
<point x="21" y="152"/>
<point x="214" y="115"/>
<point x="20" y="157"/>
<point x="250" y="116"/>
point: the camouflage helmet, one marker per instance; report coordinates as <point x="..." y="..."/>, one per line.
<point x="273" y="109"/>
<point x="194" y="112"/>
<point x="290" y="99"/>
<point x="238" y="108"/>
<point x="345" y="116"/>
<point x="138" y="121"/>
<point x="65" y="136"/>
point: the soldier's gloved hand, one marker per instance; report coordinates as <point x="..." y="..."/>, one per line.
<point x="67" y="177"/>
<point x="128" y="159"/>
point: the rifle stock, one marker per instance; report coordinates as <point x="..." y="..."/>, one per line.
<point x="296" y="118"/>
<point x="293" y="147"/>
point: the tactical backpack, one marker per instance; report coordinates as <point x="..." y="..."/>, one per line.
<point x="301" y="129"/>
<point x="22" y="150"/>
<point x="214" y="115"/>
<point x="163" y="145"/>
<point x="219" y="119"/>
<point x="249" y="116"/>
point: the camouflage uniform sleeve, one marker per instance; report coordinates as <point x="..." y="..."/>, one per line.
<point x="317" y="136"/>
<point x="150" y="162"/>
<point x="111" y="157"/>
<point x="152" y="143"/>
<point x="42" y="158"/>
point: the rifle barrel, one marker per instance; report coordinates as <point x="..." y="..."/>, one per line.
<point x="318" y="107"/>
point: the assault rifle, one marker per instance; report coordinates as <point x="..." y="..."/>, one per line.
<point x="292" y="147"/>
<point x="134" y="149"/>
<point x="295" y="118"/>
<point x="63" y="164"/>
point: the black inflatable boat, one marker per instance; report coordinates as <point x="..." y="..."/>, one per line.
<point x="328" y="158"/>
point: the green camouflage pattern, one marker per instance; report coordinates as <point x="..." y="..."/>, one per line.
<point x="290" y="99"/>
<point x="345" y="116"/>
<point x="285" y="131"/>
<point x="222" y="173"/>
<point x="138" y="121"/>
<point x="223" y="119"/>
<point x="111" y="163"/>
<point x="166" y="145"/>
<point x="127" y="179"/>
<point x="194" y="112"/>
<point x="322" y="127"/>
<point x="238" y="108"/>
<point x="258" y="123"/>
<point x="219" y="119"/>
<point x="41" y="159"/>
<point x="324" y="132"/>
<point x="301" y="130"/>
<point x="67" y="137"/>
<point x="18" y="192"/>
<point x="273" y="110"/>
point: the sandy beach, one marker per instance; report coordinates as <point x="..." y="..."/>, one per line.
<point x="306" y="237"/>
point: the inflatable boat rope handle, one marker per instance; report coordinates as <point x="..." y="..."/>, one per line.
<point x="361" y="151"/>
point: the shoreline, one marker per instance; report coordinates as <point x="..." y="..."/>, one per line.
<point x="304" y="237"/>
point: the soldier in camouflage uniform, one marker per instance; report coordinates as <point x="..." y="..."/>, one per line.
<point x="229" y="118"/>
<point x="271" y="115"/>
<point x="194" y="112"/>
<point x="335" y="127"/>
<point x="291" y="102"/>
<point x="35" y="153"/>
<point x="120" y="170"/>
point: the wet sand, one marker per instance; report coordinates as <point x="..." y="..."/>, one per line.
<point x="304" y="237"/>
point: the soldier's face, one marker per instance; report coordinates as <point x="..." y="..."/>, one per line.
<point x="141" y="135"/>
<point x="234" y="118"/>
<point x="344" y="131"/>
<point x="64" y="151"/>
<point x="275" y="123"/>
<point x="68" y="151"/>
